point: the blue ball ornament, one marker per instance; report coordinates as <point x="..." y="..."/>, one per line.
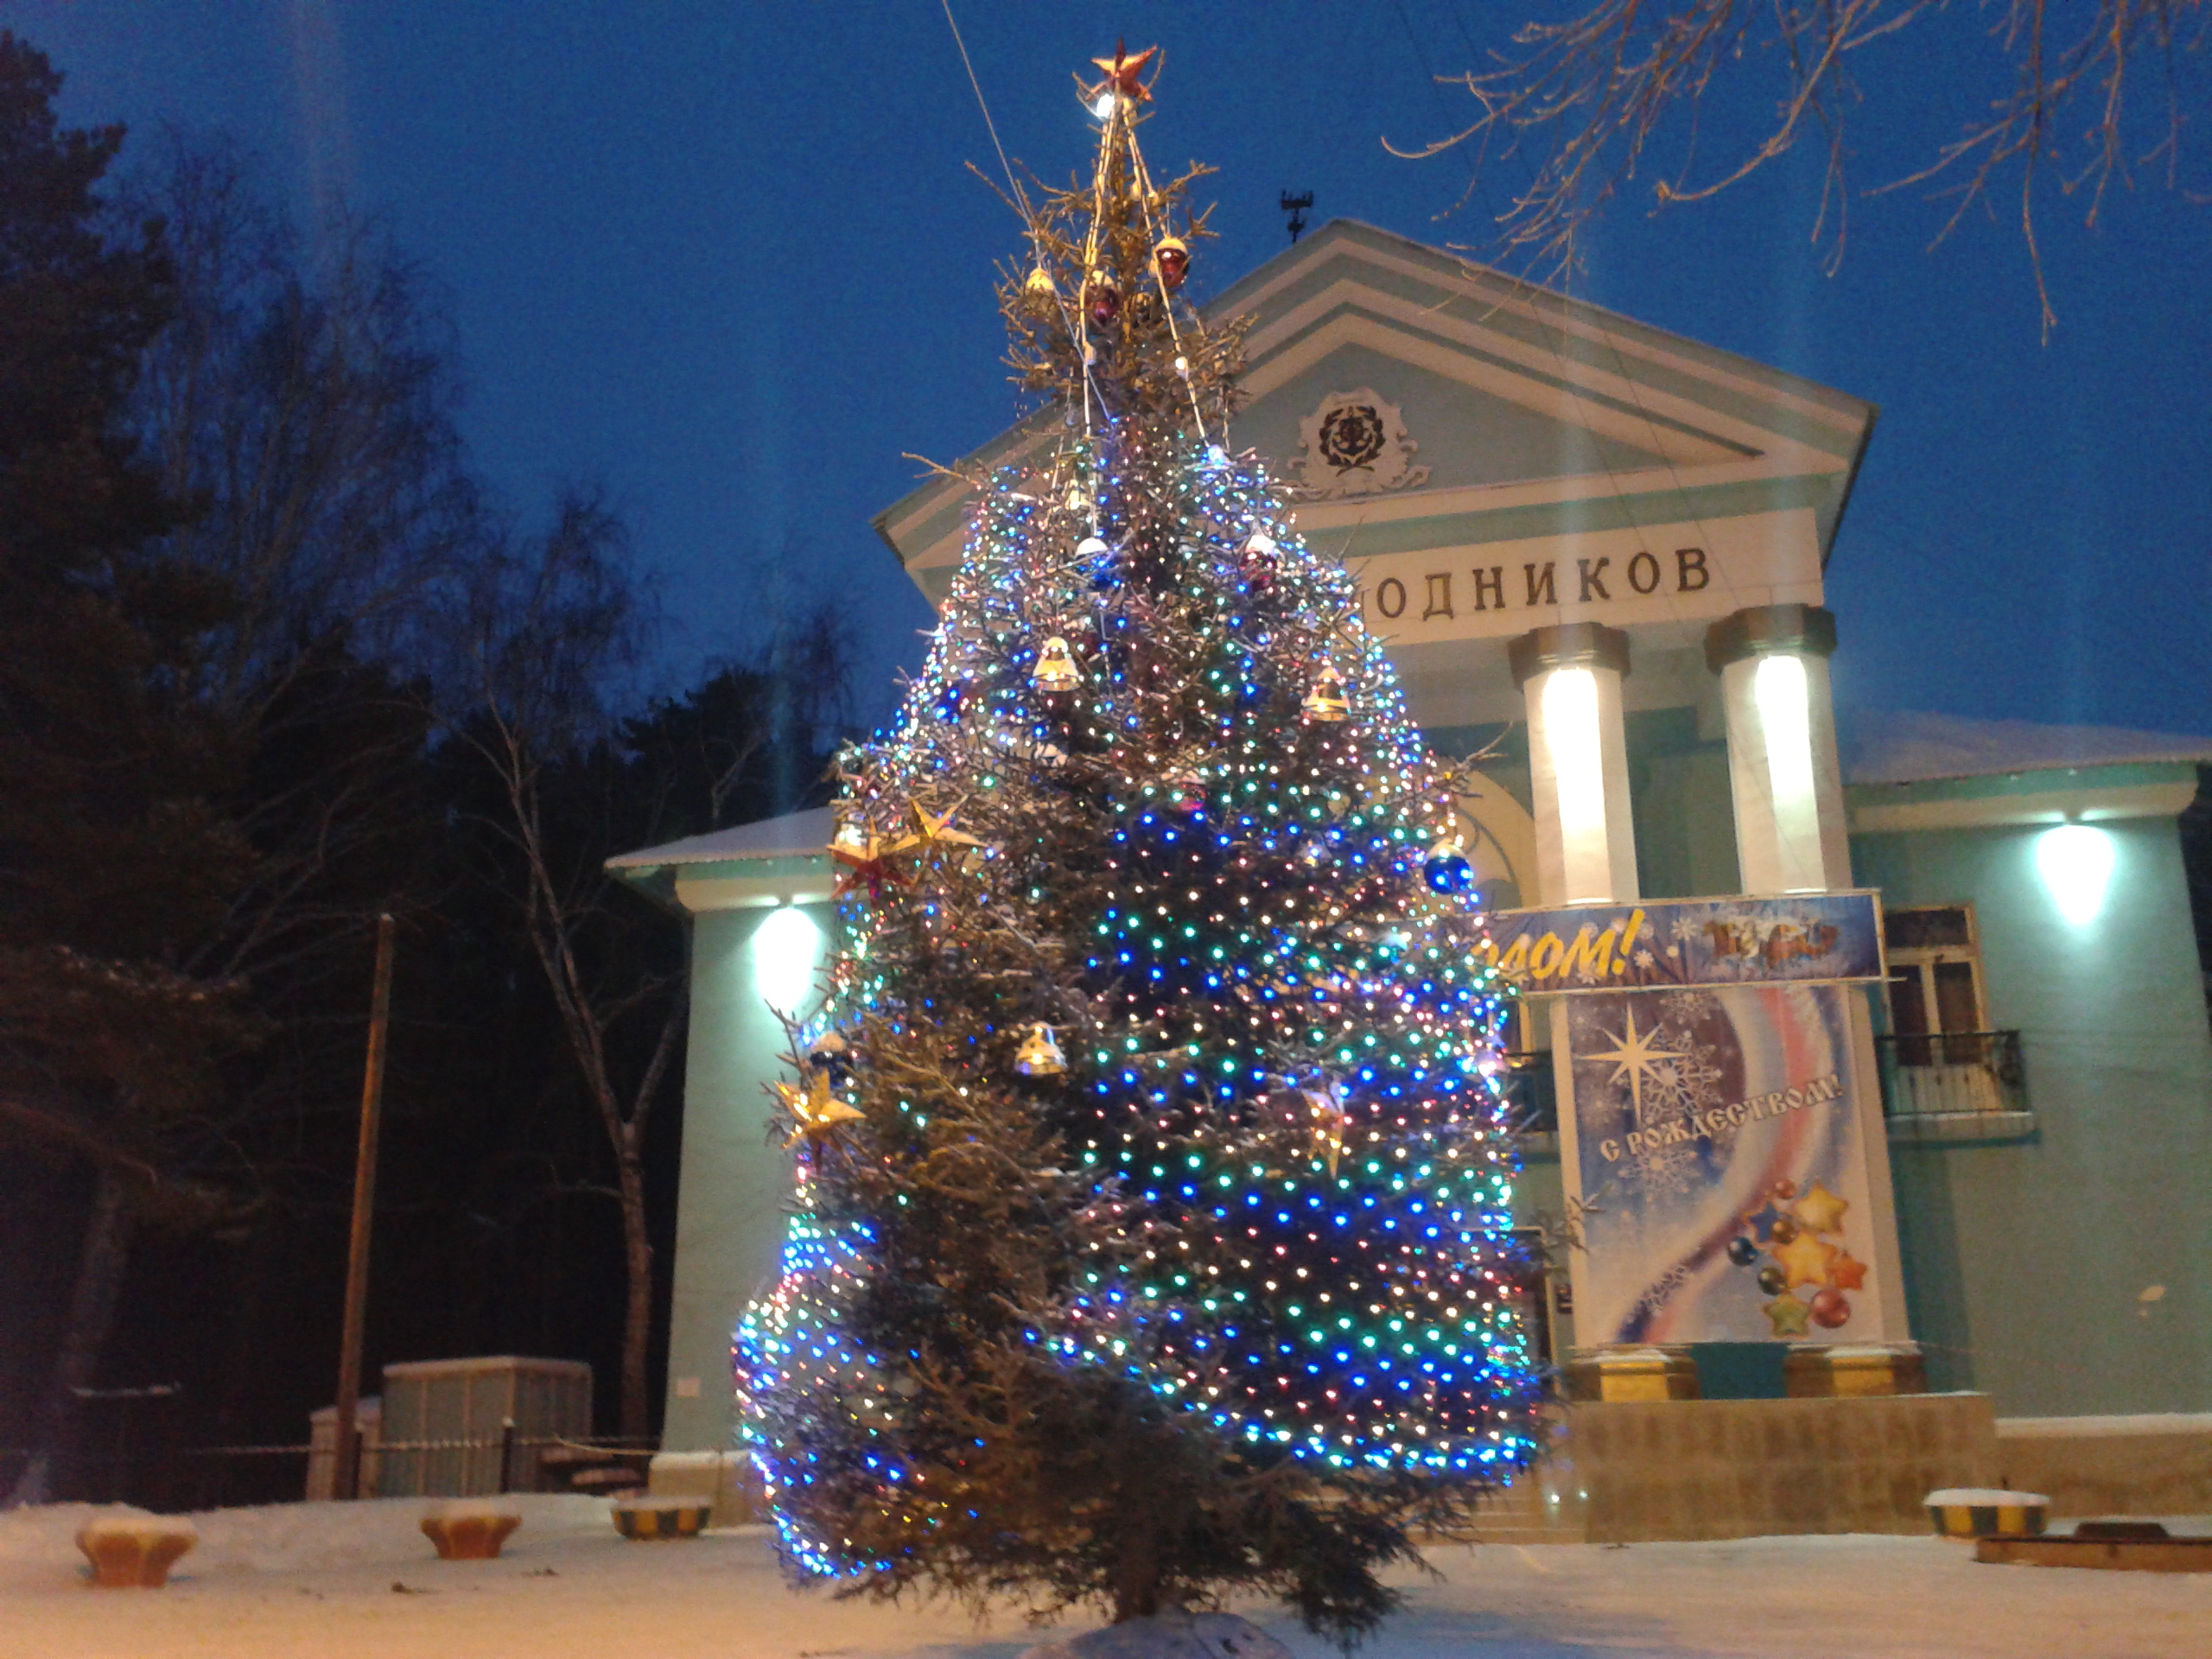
<point x="1446" y="868"/>
<point x="1742" y="1251"/>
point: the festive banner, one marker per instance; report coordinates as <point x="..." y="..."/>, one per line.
<point x="1724" y="1186"/>
<point x="1813" y="939"/>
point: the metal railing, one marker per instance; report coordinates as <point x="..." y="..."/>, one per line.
<point x="1531" y="1096"/>
<point x="1952" y="1071"/>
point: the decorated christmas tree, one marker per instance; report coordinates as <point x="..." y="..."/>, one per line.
<point x="1150" y="1232"/>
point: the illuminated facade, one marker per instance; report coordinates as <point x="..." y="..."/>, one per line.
<point x="1599" y="551"/>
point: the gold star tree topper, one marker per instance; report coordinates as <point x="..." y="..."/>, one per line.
<point x="1124" y="72"/>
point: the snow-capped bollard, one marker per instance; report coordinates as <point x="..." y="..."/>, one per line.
<point x="1171" y="1635"/>
<point x="470" y="1529"/>
<point x="641" y="1516"/>
<point x="133" y="1550"/>
<point x="1978" y="1512"/>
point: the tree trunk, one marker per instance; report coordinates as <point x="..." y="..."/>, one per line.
<point x="638" y="1311"/>
<point x="1144" y="1511"/>
<point x="100" y="1265"/>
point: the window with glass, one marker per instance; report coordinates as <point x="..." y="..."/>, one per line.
<point x="1936" y="1009"/>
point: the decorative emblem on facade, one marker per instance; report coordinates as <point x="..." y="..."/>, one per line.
<point x="1355" y="444"/>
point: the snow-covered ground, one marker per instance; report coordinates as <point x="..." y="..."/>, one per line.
<point x="332" y="1581"/>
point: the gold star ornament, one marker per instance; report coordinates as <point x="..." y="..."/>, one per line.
<point x="817" y="1115"/>
<point x="932" y="830"/>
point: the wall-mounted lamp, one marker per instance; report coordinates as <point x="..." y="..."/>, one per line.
<point x="2075" y="862"/>
<point x="786" y="947"/>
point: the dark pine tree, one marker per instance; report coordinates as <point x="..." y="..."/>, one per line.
<point x="1150" y="1236"/>
<point x="114" y="862"/>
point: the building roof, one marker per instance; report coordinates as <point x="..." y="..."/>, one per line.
<point x="797" y="835"/>
<point x="1903" y="746"/>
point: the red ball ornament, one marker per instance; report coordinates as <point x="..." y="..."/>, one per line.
<point x="1260" y="561"/>
<point x="1102" y="298"/>
<point x="1830" y="1308"/>
<point x="1173" y="258"/>
<point x="1785" y="1190"/>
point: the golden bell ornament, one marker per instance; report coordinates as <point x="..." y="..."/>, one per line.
<point x="1326" y="700"/>
<point x="1038" y="1055"/>
<point x="1172" y="259"/>
<point x="1328" y="1122"/>
<point x="1056" y="669"/>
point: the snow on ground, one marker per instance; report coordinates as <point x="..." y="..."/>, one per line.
<point x="338" y="1581"/>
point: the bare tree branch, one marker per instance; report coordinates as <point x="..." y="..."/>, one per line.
<point x="1591" y="100"/>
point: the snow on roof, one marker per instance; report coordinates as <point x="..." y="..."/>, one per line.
<point x="1903" y="746"/>
<point x="797" y="835"/>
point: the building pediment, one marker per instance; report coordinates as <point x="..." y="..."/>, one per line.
<point x="1492" y="457"/>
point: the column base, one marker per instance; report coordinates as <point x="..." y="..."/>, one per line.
<point x="1815" y="1370"/>
<point x="1627" y="1373"/>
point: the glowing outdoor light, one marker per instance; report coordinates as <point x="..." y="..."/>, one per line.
<point x="1104" y="106"/>
<point x="786" y="947"/>
<point x="2075" y="864"/>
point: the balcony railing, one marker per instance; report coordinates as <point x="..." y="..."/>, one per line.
<point x="1531" y="1096"/>
<point x="1945" y="1073"/>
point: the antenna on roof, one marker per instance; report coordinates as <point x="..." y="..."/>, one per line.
<point x="1295" y="206"/>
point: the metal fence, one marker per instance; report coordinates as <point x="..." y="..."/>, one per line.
<point x="168" y="1478"/>
<point x="1944" y="1073"/>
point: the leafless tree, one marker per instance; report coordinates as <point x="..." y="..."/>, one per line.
<point x="2089" y="94"/>
<point x="301" y="410"/>
<point x="305" y="404"/>
<point x="550" y="624"/>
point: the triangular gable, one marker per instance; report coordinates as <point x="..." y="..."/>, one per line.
<point x="1532" y="417"/>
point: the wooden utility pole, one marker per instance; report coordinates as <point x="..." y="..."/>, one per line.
<point x="345" y="1469"/>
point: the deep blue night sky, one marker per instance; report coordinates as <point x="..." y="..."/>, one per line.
<point x="728" y="259"/>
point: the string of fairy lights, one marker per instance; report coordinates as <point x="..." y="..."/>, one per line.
<point x="1282" y="1070"/>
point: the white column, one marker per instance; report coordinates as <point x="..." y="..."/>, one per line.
<point x="1791" y="836"/>
<point x="1578" y="762"/>
<point x="1791" y="830"/>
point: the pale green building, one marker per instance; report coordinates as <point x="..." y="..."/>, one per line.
<point x="1537" y="482"/>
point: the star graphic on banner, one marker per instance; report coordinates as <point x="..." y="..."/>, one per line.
<point x="1786" y="1315"/>
<point x="1820" y="1211"/>
<point x="818" y="1113"/>
<point x="1635" y="1058"/>
<point x="1804" y="1260"/>
<point x="1847" y="1272"/>
<point x="1761" y="1222"/>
